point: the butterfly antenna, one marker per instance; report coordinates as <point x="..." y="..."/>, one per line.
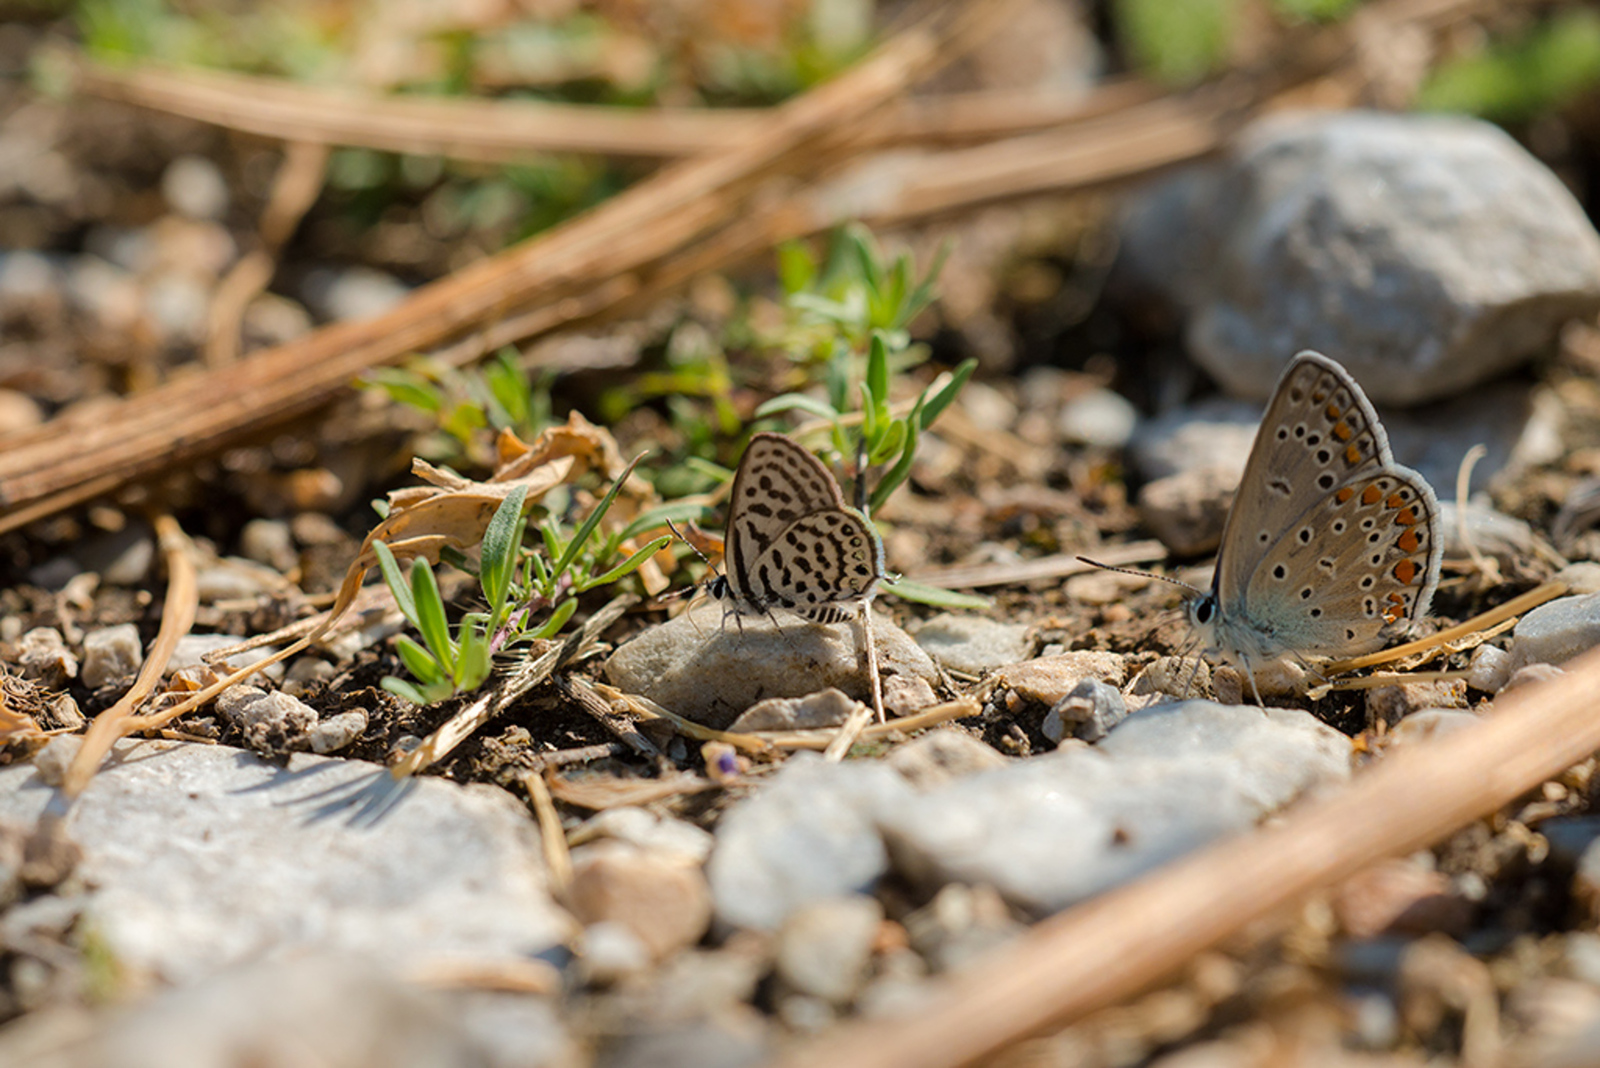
<point x="1142" y="574"/>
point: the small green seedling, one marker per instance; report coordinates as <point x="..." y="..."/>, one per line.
<point x="527" y="596"/>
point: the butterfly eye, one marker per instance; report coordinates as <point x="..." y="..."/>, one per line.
<point x="1204" y="611"/>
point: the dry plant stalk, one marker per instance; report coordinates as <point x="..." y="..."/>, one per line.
<point x="72" y="459"/>
<point x="1128" y="939"/>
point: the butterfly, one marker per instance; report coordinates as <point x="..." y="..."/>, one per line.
<point x="1331" y="548"/>
<point x="792" y="542"/>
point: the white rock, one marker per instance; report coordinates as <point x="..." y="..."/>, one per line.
<point x="1490" y="668"/>
<point x="193" y="186"/>
<point x="1089" y="712"/>
<point x="1362" y="235"/>
<point x="203" y="856"/>
<point x="1557" y="631"/>
<point x="942" y="756"/>
<point x="972" y="644"/>
<point x="192" y="647"/>
<point x="56" y="756"/>
<point x="711" y="669"/>
<point x="1100" y="417"/>
<point x="1054" y="829"/>
<point x="111" y="654"/>
<point x="269" y="721"/>
<point x="825" y="708"/>
<point x="268" y="541"/>
<point x="1187" y="510"/>
<point x="334" y="733"/>
<point x="645" y="829"/>
<point x="610" y="951"/>
<point x="824" y="948"/>
<point x="810" y="833"/>
<point x="43" y="655"/>
<point x="1430" y="723"/>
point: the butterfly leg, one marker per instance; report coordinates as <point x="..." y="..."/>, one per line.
<point x="872" y="662"/>
<point x="1249" y="671"/>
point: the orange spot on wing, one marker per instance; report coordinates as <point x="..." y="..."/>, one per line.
<point x="1395" y="501"/>
<point x="1344" y="494"/>
<point x="1352" y="455"/>
<point x="1408" y="542"/>
<point x="1342" y="431"/>
<point x="1371" y="495"/>
<point x="1405" y="571"/>
<point x="1406" y="518"/>
<point x="1333" y="411"/>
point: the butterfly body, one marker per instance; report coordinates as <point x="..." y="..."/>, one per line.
<point x="1331" y="548"/>
<point x="792" y="542"/>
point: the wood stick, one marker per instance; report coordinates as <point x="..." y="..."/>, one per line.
<point x="1126" y="940"/>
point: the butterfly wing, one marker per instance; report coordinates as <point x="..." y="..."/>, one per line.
<point x="821" y="562"/>
<point x="777" y="483"/>
<point x="1319" y="432"/>
<point x="1358" y="566"/>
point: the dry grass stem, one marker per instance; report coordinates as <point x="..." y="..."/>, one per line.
<point x="1515" y="607"/>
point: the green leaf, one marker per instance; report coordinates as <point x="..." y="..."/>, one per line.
<point x="658" y="516"/>
<point x="791" y="401"/>
<point x="472" y="662"/>
<point x="902" y="467"/>
<point x="892" y="441"/>
<point x="1177" y="42"/>
<point x="870" y="432"/>
<point x="923" y="295"/>
<point x="878" y="369"/>
<point x="594" y="517"/>
<point x="395" y="581"/>
<point x="938" y="596"/>
<point x="797" y="268"/>
<point x="509" y="386"/>
<point x="406" y="387"/>
<point x="419" y="661"/>
<point x="935" y="405"/>
<point x="431" y="621"/>
<point x="868" y="259"/>
<point x="498" y="558"/>
<point x="404" y="690"/>
<point x="557" y="620"/>
<point x="627" y="567"/>
<point x="1518" y="79"/>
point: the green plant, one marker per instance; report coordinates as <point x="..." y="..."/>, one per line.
<point x="498" y="394"/>
<point x="1517" y="79"/>
<point x="857" y="309"/>
<point x="527" y="596"/>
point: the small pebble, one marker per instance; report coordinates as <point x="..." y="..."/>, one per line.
<point x="960" y="923"/>
<point x="1389" y="704"/>
<point x="1100" y="417"/>
<point x="192" y="649"/>
<point x="44" y="657"/>
<point x="53" y="759"/>
<point x="1048" y="679"/>
<point x="1490" y="669"/>
<point x="1429" y="723"/>
<point x="825" y="708"/>
<point x="334" y="733"/>
<point x="194" y="186"/>
<point x="1187" y="511"/>
<point x="235" y="580"/>
<point x="1088" y="712"/>
<point x="824" y="948"/>
<point x="942" y="756"/>
<point x="1399" y="897"/>
<point x="270" y="721"/>
<point x="646" y="830"/>
<point x="1531" y="675"/>
<point x="663" y="900"/>
<point x="904" y="695"/>
<point x="18" y="412"/>
<point x="610" y="951"/>
<point x="111" y="654"/>
<point x="305" y="673"/>
<point x="1581" y="578"/>
<point x="268" y="541"/>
